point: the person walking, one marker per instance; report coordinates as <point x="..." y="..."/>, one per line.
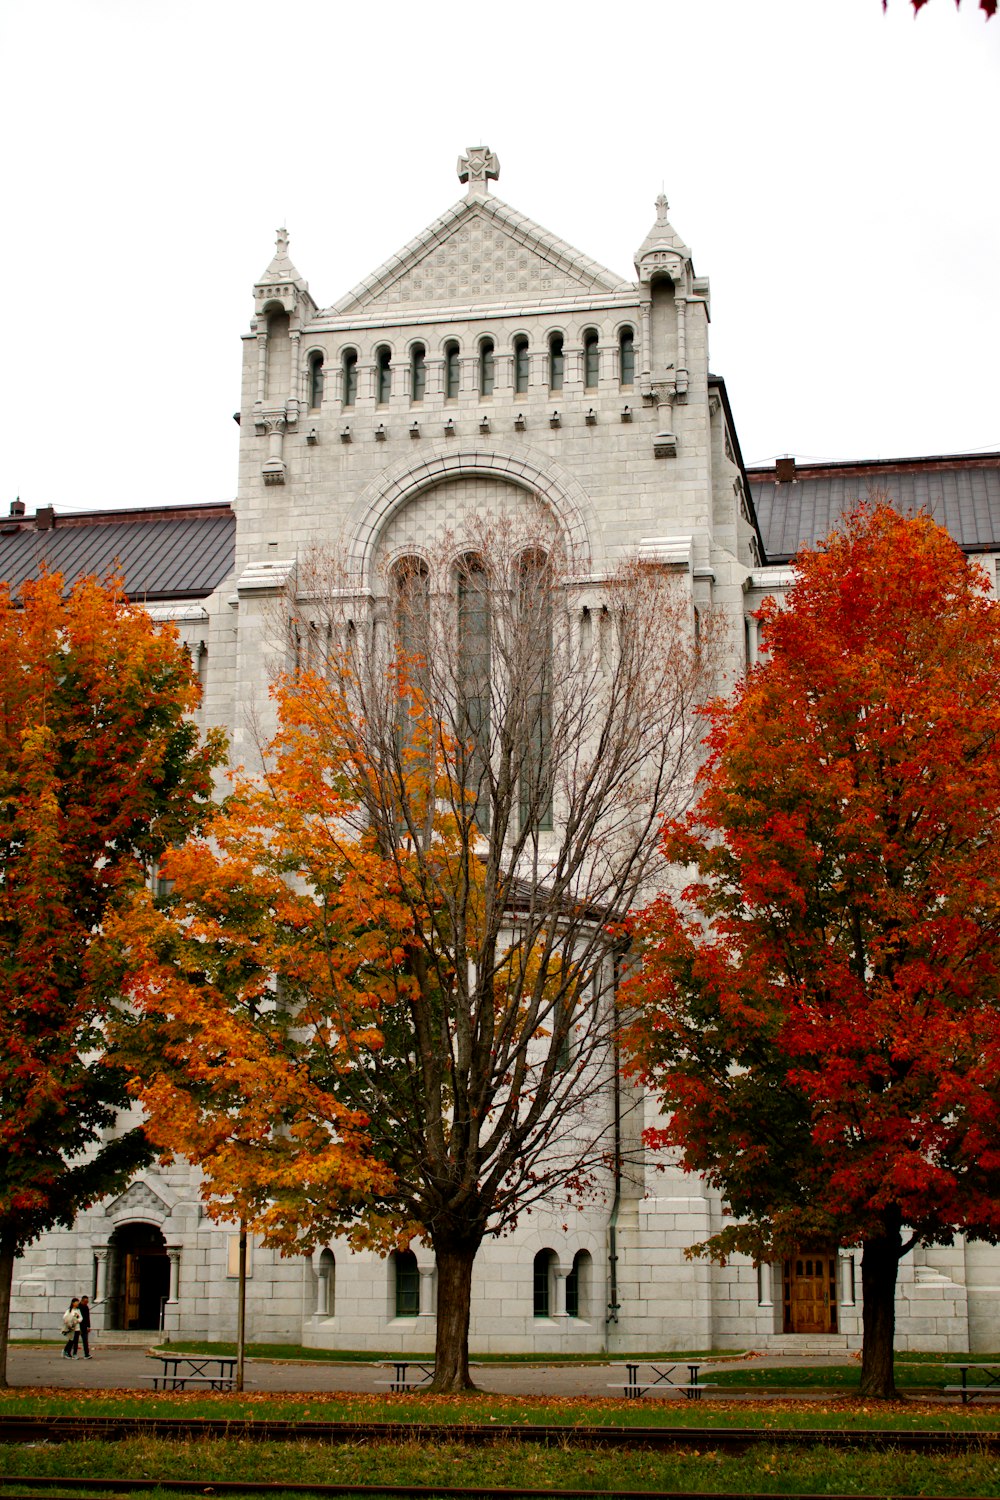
<point x="84" y="1327"/>
<point x="72" y="1318"/>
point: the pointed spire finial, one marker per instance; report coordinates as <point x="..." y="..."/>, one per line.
<point x="661" y="208"/>
<point x="281" y="247"/>
<point x="477" y="167"/>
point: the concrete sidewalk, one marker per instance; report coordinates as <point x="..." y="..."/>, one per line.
<point x="125" y="1368"/>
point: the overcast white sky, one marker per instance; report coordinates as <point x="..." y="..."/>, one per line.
<point x="833" y="169"/>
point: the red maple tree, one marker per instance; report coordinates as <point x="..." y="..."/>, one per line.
<point x="820" y="1009"/>
<point x="101" y="769"/>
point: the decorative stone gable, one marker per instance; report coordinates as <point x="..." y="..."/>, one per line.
<point x="481" y="261"/>
<point x="138" y="1202"/>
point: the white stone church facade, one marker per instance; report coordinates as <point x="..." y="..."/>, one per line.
<point x="485" y="367"/>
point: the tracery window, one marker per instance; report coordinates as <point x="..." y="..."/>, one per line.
<point x="473" y="709"/>
<point x="535" y="612"/>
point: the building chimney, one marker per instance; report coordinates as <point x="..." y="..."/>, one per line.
<point x="45" y="518"/>
<point x="17" y="507"/>
<point x="784" y="470"/>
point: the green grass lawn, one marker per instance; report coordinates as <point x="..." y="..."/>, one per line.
<point x="486" y="1408"/>
<point x="700" y="1469"/>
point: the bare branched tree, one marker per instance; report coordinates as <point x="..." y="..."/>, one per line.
<point x="511" y="737"/>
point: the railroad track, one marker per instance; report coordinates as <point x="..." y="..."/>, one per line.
<point x="64" y="1429"/>
<point x="99" y="1489"/>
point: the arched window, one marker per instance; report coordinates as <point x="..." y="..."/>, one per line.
<point x="626" y="357"/>
<point x="327" y="1300"/>
<point x="578" y="1286"/>
<point x="486" y="367"/>
<point x="452" y="372"/>
<point x="542" y="1298"/>
<point x="407" y="1284"/>
<point x="349" y="392"/>
<point x="473" y="709"/>
<point x="383" y="374"/>
<point x="556" y="362"/>
<point x="591" y="359"/>
<point x="418" y="372"/>
<point x="411" y="605"/>
<point x="534" y="756"/>
<point x="316" y="378"/>
<point x="521" y="365"/>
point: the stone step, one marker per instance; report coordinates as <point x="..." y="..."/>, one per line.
<point x="806" y="1343"/>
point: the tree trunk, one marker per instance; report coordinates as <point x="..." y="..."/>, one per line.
<point x="454" y="1294"/>
<point x="879" y="1267"/>
<point x="6" y="1281"/>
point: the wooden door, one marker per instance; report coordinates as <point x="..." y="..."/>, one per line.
<point x="811" y="1293"/>
<point x="132" y="1287"/>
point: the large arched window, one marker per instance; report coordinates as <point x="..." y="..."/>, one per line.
<point x="316" y="378"/>
<point x="556" y="362"/>
<point x="486" y="363"/>
<point x="521" y="365"/>
<point x="534" y="756"/>
<point x="383" y="374"/>
<point x="411" y="606"/>
<point x="418" y="372"/>
<point x="542" y="1287"/>
<point x="473" y="709"/>
<point x="626" y="357"/>
<point x="452" y="372"/>
<point x="407" y="1284"/>
<point x="349" y="377"/>
<point x="591" y="359"/>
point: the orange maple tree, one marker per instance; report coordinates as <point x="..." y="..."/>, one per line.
<point x="820" y="1010"/>
<point x="100" y="770"/>
<point x="380" y="1002"/>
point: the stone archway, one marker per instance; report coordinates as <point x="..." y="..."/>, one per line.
<point x="138" y="1277"/>
<point x="534" y="474"/>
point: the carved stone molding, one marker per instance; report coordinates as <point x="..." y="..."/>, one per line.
<point x="138" y="1202"/>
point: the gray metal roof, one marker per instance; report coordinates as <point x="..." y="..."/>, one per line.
<point x="161" y="554"/>
<point x="963" y="493"/>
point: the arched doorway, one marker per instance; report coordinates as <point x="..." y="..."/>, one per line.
<point x="140" y="1276"/>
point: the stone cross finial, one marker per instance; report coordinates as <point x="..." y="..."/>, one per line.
<point x="661" y="209"/>
<point x="476" y="167"/>
<point x="282" y="244"/>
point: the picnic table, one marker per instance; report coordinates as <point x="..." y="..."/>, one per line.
<point x="179" y="1371"/>
<point x="662" y="1378"/>
<point x="985" y="1382"/>
<point x="402" y="1380"/>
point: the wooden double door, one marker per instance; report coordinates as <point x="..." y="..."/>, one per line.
<point x="810" y="1292"/>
